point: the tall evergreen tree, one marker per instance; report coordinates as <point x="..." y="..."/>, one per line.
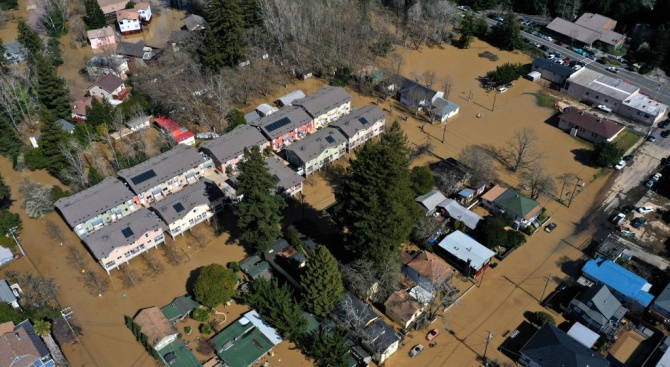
<point x="223" y="45"/>
<point x="51" y="89"/>
<point x="94" y="18"/>
<point x="328" y="347"/>
<point x="98" y="113"/>
<point x="507" y="35"/>
<point x="29" y="39"/>
<point x="276" y="304"/>
<point x="51" y="137"/>
<point x="378" y="202"/>
<point x="322" y="286"/>
<point x="259" y="213"/>
<point x="3" y="60"/>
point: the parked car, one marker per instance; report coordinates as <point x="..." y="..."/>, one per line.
<point x="664" y="123"/>
<point x="665" y="134"/>
<point x="604" y="108"/>
<point x="645" y="209"/>
<point x="502" y="90"/>
<point x="415" y="350"/>
<point x="509" y="85"/>
<point x="550" y="227"/>
<point x="576" y="67"/>
<point x="612" y="69"/>
<point x="618" y="218"/>
<point x="650" y="183"/>
<point x="628" y="158"/>
<point x="620" y="165"/>
<point x="536" y="44"/>
<point x="627" y="209"/>
<point x="638" y="222"/>
<point x="653" y="138"/>
<point x="432" y="335"/>
<point x="657" y="176"/>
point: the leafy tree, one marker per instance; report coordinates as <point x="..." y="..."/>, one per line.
<point x="130" y="5"/>
<point x="275" y="302"/>
<point x="42" y="327"/>
<point x="235" y="118"/>
<point x="9" y="313"/>
<point x="9" y="220"/>
<point x="223" y="45"/>
<point x="200" y="314"/>
<point x="259" y="212"/>
<point x="57" y="193"/>
<point x="94" y="18"/>
<point x="539" y="318"/>
<point x="5" y="194"/>
<point x="9" y="4"/>
<point x="506" y="73"/>
<point x="322" y="286"/>
<point x="29" y="39"/>
<point x="51" y="138"/>
<point x="94" y="177"/>
<point x="51" y="89"/>
<point x="606" y="154"/>
<point x="661" y="46"/>
<point x="205" y="329"/>
<point x="215" y="285"/>
<point x="378" y="201"/>
<point x="470" y="27"/>
<point x="98" y="113"/>
<point x="327" y="347"/>
<point x="491" y="233"/>
<point x="515" y="238"/>
<point x="507" y="35"/>
<point x="292" y="236"/>
<point x="422" y="180"/>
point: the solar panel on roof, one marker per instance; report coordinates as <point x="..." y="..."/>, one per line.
<point x="178" y="207"/>
<point x="330" y="139"/>
<point x="277" y="124"/>
<point x="143" y="177"/>
<point x="363" y="120"/>
<point x="127" y="232"/>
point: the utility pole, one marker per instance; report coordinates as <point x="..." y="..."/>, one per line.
<point x="482" y="280"/>
<point x="488" y="339"/>
<point x="495" y="96"/>
<point x="577" y="185"/>
<point x="444" y="131"/>
<point x="546" y="284"/>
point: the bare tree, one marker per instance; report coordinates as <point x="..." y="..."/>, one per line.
<point x="521" y="150"/>
<point x="65" y="331"/>
<point x="172" y="252"/>
<point x="18" y="103"/>
<point x="396" y="62"/>
<point x="38" y="291"/>
<point x="54" y="231"/>
<point x="369" y="281"/>
<point x="155" y="266"/>
<point x="429" y="78"/>
<point x="76" y="173"/>
<point x="97" y="284"/>
<point x="425" y="228"/>
<point x="539" y="181"/>
<point x="479" y="162"/>
<point x="198" y="236"/>
<point x="78" y="29"/>
<point x="449" y="182"/>
<point x="447" y="82"/>
<point x="76" y="257"/>
<point x="129" y="277"/>
<point x="416" y="76"/>
<point x="36" y="198"/>
<point x="564" y="179"/>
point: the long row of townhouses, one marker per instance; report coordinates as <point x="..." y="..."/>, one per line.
<point x="120" y="218"/>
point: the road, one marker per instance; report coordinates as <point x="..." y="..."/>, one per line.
<point x="652" y="88"/>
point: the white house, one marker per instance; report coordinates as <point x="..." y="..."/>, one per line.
<point x="443" y="109"/>
<point x="361" y="125"/>
<point x="129" y="21"/>
<point x="110" y="87"/>
<point x="326" y="105"/>
<point x="467" y="254"/>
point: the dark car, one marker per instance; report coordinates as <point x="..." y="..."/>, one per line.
<point x="665" y="134"/>
<point x="638" y="222"/>
<point x="628" y="158"/>
<point x="550" y="227"/>
<point x="664" y="123"/>
<point x="627" y="209"/>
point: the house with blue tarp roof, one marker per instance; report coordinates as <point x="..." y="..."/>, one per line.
<point x="629" y="288"/>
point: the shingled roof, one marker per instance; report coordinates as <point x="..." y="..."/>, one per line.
<point x="231" y="145"/>
<point x="313" y="145"/>
<point x="324" y="100"/>
<point x="597" y="125"/>
<point x="551" y="347"/>
<point x="109" y="83"/>
<point x="154" y="325"/>
<point x="177" y="205"/>
<point x="282" y="122"/>
<point x="358" y="120"/>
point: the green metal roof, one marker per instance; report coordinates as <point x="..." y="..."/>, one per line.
<point x="516" y="203"/>
<point x="180" y="307"/>
<point x="241" y="345"/>
<point x="184" y="356"/>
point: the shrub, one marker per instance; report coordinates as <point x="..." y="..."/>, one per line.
<point x="234" y="266"/>
<point x="200" y="314"/>
<point x="539" y="318"/>
<point x="543" y="216"/>
<point x="205" y="329"/>
<point x="188" y="330"/>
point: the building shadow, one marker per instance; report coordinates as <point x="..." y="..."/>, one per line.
<point x="583" y="156"/>
<point x="516" y="339"/>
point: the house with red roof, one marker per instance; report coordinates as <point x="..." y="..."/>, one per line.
<point x="178" y="133"/>
<point x="589" y="127"/>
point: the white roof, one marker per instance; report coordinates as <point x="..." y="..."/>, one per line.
<point x="466" y="248"/>
<point x="429" y="201"/>
<point x="665" y="359"/>
<point x="458" y="212"/>
<point x="263" y="327"/>
<point x="5" y="255"/>
<point x="583" y="335"/>
<point x="421" y="295"/>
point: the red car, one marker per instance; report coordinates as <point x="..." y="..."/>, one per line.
<point x="432" y="335"/>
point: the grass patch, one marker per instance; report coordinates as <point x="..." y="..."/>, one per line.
<point x="543" y="100"/>
<point x="627" y="139"/>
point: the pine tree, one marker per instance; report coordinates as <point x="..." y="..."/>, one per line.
<point x="3" y="60"/>
<point x="51" y="89"/>
<point x="98" y="113"/>
<point x="223" y="45"/>
<point x="95" y="18"/>
<point x="379" y="215"/>
<point x="259" y="213"/>
<point x="321" y="283"/>
<point x="328" y="347"/>
<point x="51" y="137"/>
<point x="29" y="39"/>
<point x="275" y="302"/>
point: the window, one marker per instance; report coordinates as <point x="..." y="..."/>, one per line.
<point x="587" y="93"/>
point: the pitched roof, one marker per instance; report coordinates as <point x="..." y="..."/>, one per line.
<point x="354" y="313"/>
<point x="179" y="307"/>
<point x="245" y="340"/>
<point x="265" y="109"/>
<point x="109" y="83"/>
<point x="252" y="116"/>
<point x="597" y="125"/>
<point x="444" y="107"/>
<point x="154" y="325"/>
<point x="465" y="248"/>
<point x="572" y="30"/>
<point x="283" y="122"/>
<point x="619" y="279"/>
<point x="428" y="265"/>
<point x="177" y="205"/>
<point x="15" y="48"/>
<point x="599" y="304"/>
<point x="95" y="200"/>
<point x="663" y="299"/>
<point x="596" y="22"/>
<point x="195" y="22"/>
<point x="428" y="202"/>
<point x="457" y="212"/>
<point x="101" y="32"/>
<point x="142" y="6"/>
<point x="161" y="168"/>
<point x="231" y="145"/>
<point x="357" y="120"/>
<point x="494" y="193"/>
<point x="551" y="347"/>
<point x="379" y="336"/>
<point x="583" y="335"/>
<point x="79" y="107"/>
<point x="313" y="145"/>
<point x="402" y="305"/>
<point x="180" y="36"/>
<point x="20" y="346"/>
<point x="131" y="49"/>
<point x="546" y="64"/>
<point x="126" y="14"/>
<point x="106" y="62"/>
<point x="6" y="294"/>
<point x="288" y="98"/>
<point x="409" y="87"/>
<point x="323" y="100"/>
<point x="66" y="125"/>
<point x="518" y="204"/>
<point x="110" y="6"/>
<point x="123" y="232"/>
<point x="137" y="121"/>
<point x="284" y="176"/>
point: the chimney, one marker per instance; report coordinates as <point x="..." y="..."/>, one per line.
<point x="18" y="337"/>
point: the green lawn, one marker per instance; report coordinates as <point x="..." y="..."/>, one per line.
<point x="626" y="139"/>
<point x="544" y="100"/>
